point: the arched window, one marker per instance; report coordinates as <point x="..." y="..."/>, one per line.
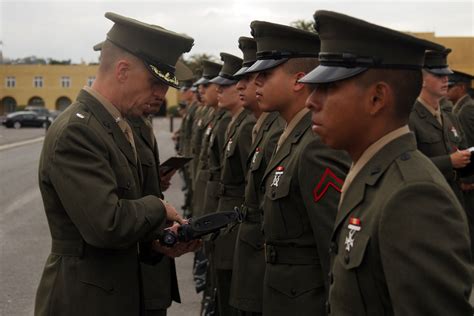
<point x="7" y="105"/>
<point x="62" y="103"/>
<point x="38" y="101"/>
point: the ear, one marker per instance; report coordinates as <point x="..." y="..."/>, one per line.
<point x="380" y="98"/>
<point x="122" y="70"/>
<point x="297" y="86"/>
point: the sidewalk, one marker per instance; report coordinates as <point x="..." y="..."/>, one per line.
<point x="191" y="301"/>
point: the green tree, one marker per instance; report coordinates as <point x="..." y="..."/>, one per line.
<point x="304" y="25"/>
<point x="194" y="62"/>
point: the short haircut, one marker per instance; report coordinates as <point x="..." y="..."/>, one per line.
<point x="110" y="54"/>
<point x="406" y="86"/>
<point x="301" y="64"/>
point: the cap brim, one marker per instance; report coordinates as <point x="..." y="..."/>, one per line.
<point x="182" y="71"/>
<point x="264" y="64"/>
<point x="166" y="77"/>
<point x="223" y="81"/>
<point x="328" y="74"/>
<point x="201" y="80"/>
<point x="439" y="71"/>
<point x="98" y="47"/>
<point x="241" y="72"/>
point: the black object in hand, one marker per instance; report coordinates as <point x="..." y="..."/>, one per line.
<point x="198" y="227"/>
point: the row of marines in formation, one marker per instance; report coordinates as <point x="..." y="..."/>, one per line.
<point x="345" y="211"/>
<point x="232" y="125"/>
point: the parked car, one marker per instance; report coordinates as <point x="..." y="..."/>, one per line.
<point x="40" y="110"/>
<point x="26" y="119"/>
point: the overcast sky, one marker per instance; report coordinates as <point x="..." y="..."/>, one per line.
<point x="68" y="29"/>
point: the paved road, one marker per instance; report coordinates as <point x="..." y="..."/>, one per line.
<point x="24" y="234"/>
<point x="11" y="135"/>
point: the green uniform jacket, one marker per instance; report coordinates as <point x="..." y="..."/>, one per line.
<point x="202" y="173"/>
<point x="410" y="255"/>
<point x="232" y="186"/>
<point x="160" y="285"/>
<point x="187" y="130"/>
<point x="302" y="190"/>
<point x="214" y="153"/>
<point x="92" y="195"/>
<point x="199" y="127"/>
<point x="249" y="259"/>
<point x="438" y="142"/>
<point x="465" y="113"/>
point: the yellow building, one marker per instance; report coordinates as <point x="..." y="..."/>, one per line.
<point x="56" y="86"/>
<point x="52" y="86"/>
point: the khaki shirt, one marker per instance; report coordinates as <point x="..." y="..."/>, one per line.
<point x="232" y="120"/>
<point x="124" y="126"/>
<point x="290" y="126"/>
<point x="368" y="154"/>
<point x="436" y="113"/>
<point x="259" y="124"/>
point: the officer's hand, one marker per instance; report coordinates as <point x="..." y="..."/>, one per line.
<point x="165" y="179"/>
<point x="171" y="213"/>
<point x="460" y="158"/>
<point x="179" y="249"/>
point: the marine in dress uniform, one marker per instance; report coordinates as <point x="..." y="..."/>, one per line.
<point x="200" y="140"/>
<point x="160" y="284"/>
<point x="400" y="243"/>
<point x="201" y="134"/>
<point x="185" y="149"/>
<point x="458" y="87"/>
<point x="249" y="261"/>
<point x="302" y="180"/>
<point x="437" y="130"/>
<point x="90" y="181"/>
<point x="232" y="179"/>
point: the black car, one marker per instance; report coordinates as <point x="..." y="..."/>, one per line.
<point x="25" y="119"/>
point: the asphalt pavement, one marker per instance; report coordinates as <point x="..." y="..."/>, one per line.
<point x="24" y="235"/>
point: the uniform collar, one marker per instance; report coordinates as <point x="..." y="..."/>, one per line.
<point x="259" y="122"/>
<point x="369" y="153"/>
<point x="435" y="113"/>
<point x="291" y="126"/>
<point x="461" y="100"/>
<point x="105" y="103"/>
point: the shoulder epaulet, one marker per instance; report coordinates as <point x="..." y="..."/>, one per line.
<point x="409" y="170"/>
<point x="80" y="116"/>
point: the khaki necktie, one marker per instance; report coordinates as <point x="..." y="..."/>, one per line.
<point x="128" y="134"/>
<point x="254" y="133"/>
<point x="149" y="124"/>
<point x="437" y="116"/>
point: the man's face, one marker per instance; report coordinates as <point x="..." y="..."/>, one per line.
<point x="454" y="92"/>
<point x="337" y="115"/>
<point x="202" y="91"/>
<point x="273" y="89"/>
<point x="247" y="91"/>
<point x="142" y="90"/>
<point x="210" y="95"/>
<point x="228" y="97"/>
<point x="435" y="85"/>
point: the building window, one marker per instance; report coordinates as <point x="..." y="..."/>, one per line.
<point x="38" y="82"/>
<point x="90" y="81"/>
<point x="65" y="82"/>
<point x="10" y="82"/>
